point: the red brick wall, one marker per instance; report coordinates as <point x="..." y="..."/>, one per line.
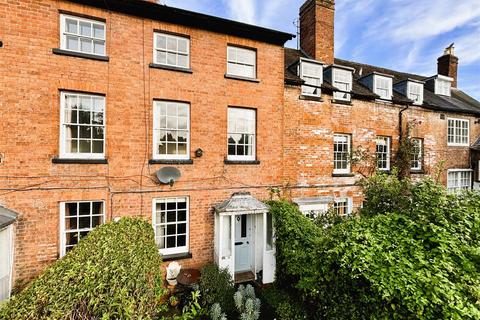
<point x="29" y="138"/>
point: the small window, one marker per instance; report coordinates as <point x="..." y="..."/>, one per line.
<point x="383" y="153"/>
<point x="312" y="74"/>
<point x="341" y="153"/>
<point x="443" y="87"/>
<point x="82" y="132"/>
<point x="241" y="134"/>
<point x="241" y="62"/>
<point x="415" y="92"/>
<point x="171" y="130"/>
<point x="77" y="219"/>
<point x="342" y="79"/>
<point x="82" y="35"/>
<point x="459" y="180"/>
<point x="313" y="211"/>
<point x="269" y="234"/>
<point x="417" y="154"/>
<point x="171" y="50"/>
<point x="458" y="132"/>
<point x="342" y="207"/>
<point x="170" y="223"/>
<point x="383" y="87"/>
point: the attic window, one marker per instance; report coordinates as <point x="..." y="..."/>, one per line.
<point x="312" y="73"/>
<point x="383" y="87"/>
<point x="342" y="79"/>
<point x="415" y="92"/>
<point x="442" y="87"/>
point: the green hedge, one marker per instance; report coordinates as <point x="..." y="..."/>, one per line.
<point x="419" y="262"/>
<point x="113" y="273"/>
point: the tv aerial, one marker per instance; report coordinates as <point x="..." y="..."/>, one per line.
<point x="168" y="175"/>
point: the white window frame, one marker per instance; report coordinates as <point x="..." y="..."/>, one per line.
<point x="176" y="250"/>
<point x="443" y="86"/>
<point x="313" y="210"/>
<point x="231" y="60"/>
<point x="253" y="156"/>
<point x="340" y="95"/>
<point x="303" y="62"/>
<point x="387" y="142"/>
<point x="63" y="232"/>
<point x="389" y="80"/>
<point x="349" y="150"/>
<point x="411" y="94"/>
<point x="157" y="129"/>
<point x="458" y="186"/>
<point x="63" y="132"/>
<point x="349" y="207"/>
<point x="167" y="51"/>
<point x="455" y="136"/>
<point x="417" y="158"/>
<point x="64" y="34"/>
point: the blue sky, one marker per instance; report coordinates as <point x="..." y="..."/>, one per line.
<point x="405" y="35"/>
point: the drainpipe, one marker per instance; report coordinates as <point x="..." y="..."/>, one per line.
<point x="400" y="121"/>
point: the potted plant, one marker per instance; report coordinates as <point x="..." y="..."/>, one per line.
<point x="173" y="270"/>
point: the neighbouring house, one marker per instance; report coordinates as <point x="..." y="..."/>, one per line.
<point x="101" y="98"/>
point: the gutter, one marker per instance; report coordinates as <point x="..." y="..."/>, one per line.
<point x="400" y="121"/>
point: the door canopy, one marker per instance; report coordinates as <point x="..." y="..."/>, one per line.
<point x="241" y="203"/>
<point x="7" y="217"/>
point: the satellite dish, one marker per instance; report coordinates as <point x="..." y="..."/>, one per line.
<point x="168" y="175"/>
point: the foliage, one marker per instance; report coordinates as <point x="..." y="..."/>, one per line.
<point x="403" y="160"/>
<point x="416" y="259"/>
<point x="113" y="273"/>
<point x="284" y="306"/>
<point x="217" y="286"/>
<point x="216" y="312"/>
<point x="248" y="306"/>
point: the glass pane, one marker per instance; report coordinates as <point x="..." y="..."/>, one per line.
<point x="99" y="31"/>
<point x="85" y="132"/>
<point x="269" y="232"/>
<point x="171" y="216"/>
<point x="99" y="47"/>
<point x="84" y="117"/>
<point x="71" y="223"/>
<point x="171" y="243"/>
<point x="182" y="148"/>
<point x="84" y="208"/>
<point x="171" y="44"/>
<point x="72" y="43"/>
<point x="96" y="221"/>
<point x="181" y="228"/>
<point x="72" y="146"/>
<point x="71" y="209"/>
<point x="182" y="61"/>
<point x="84" y="146"/>
<point x="84" y="222"/>
<point x="161" y="42"/>
<point x="171" y="148"/>
<point x="181" y="241"/>
<point x="85" y="29"/>
<point x="162" y="148"/>
<point x="161" y="57"/>
<point x="171" y="229"/>
<point x="97" y="147"/>
<point x="71" y="132"/>
<point x="171" y="58"/>
<point x="182" y="215"/>
<point x="71" y="26"/>
<point x="97" y="117"/>
<point x="71" y="238"/>
<point x="182" y="45"/>
<point x="97" y="132"/>
<point x="85" y="45"/>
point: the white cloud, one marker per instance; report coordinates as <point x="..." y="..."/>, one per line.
<point x="242" y="10"/>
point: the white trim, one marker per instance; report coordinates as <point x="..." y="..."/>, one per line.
<point x="176" y="250"/>
<point x="232" y="61"/>
<point x="419" y="155"/>
<point x="253" y="156"/>
<point x="177" y="53"/>
<point x="63" y="139"/>
<point x="410" y="85"/>
<point x="337" y="95"/>
<point x="458" y="185"/>
<point x="453" y="144"/>
<point x="63" y="233"/>
<point x="63" y="35"/>
<point x="349" y="143"/>
<point x="304" y="61"/>
<point x="376" y="77"/>
<point x="388" y="141"/>
<point x="349" y="202"/>
<point x="155" y="154"/>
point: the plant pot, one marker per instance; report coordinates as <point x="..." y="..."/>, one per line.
<point x="172" y="282"/>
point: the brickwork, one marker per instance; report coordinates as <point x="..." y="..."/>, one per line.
<point x="448" y="66"/>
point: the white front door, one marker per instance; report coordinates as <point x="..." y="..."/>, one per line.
<point x="5" y="262"/>
<point x="243" y="243"/>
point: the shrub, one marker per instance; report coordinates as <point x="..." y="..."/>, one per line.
<point x="282" y="306"/>
<point x="113" y="273"/>
<point x="216" y="286"/>
<point x="248" y="306"/>
<point x="419" y="261"/>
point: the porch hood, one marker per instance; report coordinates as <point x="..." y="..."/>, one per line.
<point x="7" y="217"/>
<point x="241" y="203"/>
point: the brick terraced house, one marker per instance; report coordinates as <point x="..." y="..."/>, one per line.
<point x="103" y="103"/>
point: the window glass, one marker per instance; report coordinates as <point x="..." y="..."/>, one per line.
<point x="79" y="218"/>
<point x="82" y="35"/>
<point x="269" y="231"/>
<point x="342" y="79"/>
<point x="459" y="180"/>
<point x="241" y="134"/>
<point x="415" y="92"/>
<point x="170" y="223"/>
<point x="417" y="154"/>
<point x="383" y="153"/>
<point x="82" y="125"/>
<point x="341" y="207"/>
<point x="341" y="153"/>
<point x="172" y="50"/>
<point x="227" y="237"/>
<point x="241" y="62"/>
<point x="383" y="87"/>
<point x="171" y="130"/>
<point x="442" y="87"/>
<point x="458" y="132"/>
<point x="312" y="74"/>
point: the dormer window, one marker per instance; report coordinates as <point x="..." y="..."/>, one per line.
<point x="342" y="80"/>
<point x="415" y="92"/>
<point x="383" y="87"/>
<point x="443" y="86"/>
<point x="311" y="72"/>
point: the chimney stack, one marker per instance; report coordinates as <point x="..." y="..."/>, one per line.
<point x="317" y="19"/>
<point x="448" y="64"/>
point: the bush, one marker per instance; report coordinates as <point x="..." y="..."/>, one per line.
<point x="113" y="273"/>
<point x="278" y="304"/>
<point x="418" y="261"/>
<point x="216" y="286"/>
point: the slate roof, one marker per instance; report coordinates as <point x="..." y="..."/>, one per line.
<point x="7" y="217"/>
<point x="459" y="102"/>
<point x="241" y="203"/>
<point x="154" y="11"/>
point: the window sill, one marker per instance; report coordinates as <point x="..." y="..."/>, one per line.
<point x="344" y="102"/>
<point x="80" y="55"/>
<point x="343" y="175"/>
<point x="79" y="161"/>
<point x="417" y="172"/>
<point x="233" y="77"/>
<point x="458" y="145"/>
<point x="171" y="68"/>
<point x="172" y="161"/>
<point x="177" y="256"/>
<point x="242" y="162"/>
<point x="311" y="98"/>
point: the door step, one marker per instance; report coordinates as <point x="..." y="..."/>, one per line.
<point x="246" y="276"/>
